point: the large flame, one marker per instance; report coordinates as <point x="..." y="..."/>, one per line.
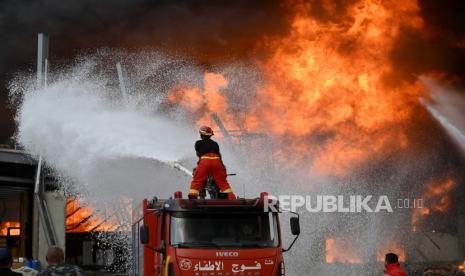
<point x="327" y="98"/>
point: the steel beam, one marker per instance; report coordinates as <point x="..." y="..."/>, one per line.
<point x="42" y="57"/>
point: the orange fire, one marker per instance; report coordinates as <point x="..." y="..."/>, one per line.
<point x="437" y="199"/>
<point x="209" y="98"/>
<point x="84" y="218"/>
<point x="9" y="224"/>
<point x="461" y="267"/>
<point x="341" y="251"/>
<point x="328" y="86"/>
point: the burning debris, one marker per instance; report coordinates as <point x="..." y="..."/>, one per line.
<point x="437" y="199"/>
<point x="85" y="218"/>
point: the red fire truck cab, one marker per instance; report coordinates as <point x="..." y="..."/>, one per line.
<point x="208" y="237"/>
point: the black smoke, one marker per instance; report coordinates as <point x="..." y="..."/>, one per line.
<point x="439" y="48"/>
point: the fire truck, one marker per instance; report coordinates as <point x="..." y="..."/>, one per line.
<point x="208" y="237"/>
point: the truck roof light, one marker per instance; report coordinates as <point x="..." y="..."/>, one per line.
<point x="263" y="195"/>
<point x="178" y="194"/>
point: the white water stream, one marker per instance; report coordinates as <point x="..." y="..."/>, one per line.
<point x="110" y="149"/>
<point x="448" y="108"/>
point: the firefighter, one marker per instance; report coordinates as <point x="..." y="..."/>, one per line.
<point x="392" y="265"/>
<point x="210" y="163"/>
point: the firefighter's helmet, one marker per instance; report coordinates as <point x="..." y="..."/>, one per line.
<point x="206" y="131"/>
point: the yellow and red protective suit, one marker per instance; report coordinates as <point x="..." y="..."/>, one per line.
<point x="209" y="163"/>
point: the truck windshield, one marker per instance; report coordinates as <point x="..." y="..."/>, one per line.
<point x="224" y="230"/>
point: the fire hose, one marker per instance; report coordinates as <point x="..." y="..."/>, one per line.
<point x="180" y="167"/>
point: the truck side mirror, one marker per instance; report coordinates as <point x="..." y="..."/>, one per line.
<point x="295" y="226"/>
<point x="144" y="234"/>
<point x="295" y="230"/>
